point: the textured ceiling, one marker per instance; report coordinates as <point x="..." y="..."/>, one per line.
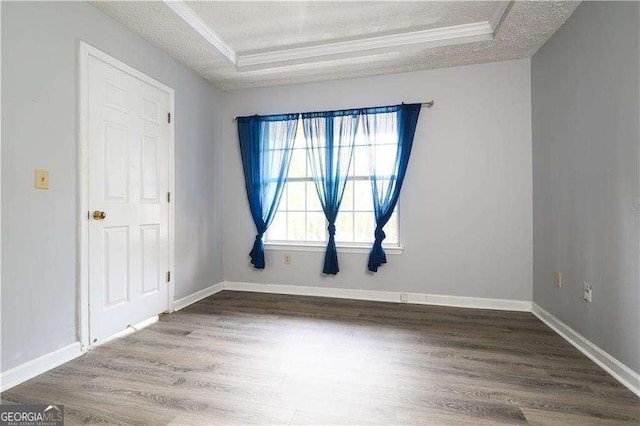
<point x="263" y="26"/>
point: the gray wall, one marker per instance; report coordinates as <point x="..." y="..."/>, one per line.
<point x="585" y="90"/>
<point x="465" y="209"/>
<point x="39" y="129"/>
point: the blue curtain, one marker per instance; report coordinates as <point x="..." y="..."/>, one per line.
<point x="266" y="144"/>
<point x="330" y="140"/>
<point x="389" y="132"/>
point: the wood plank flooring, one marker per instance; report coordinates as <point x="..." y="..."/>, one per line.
<point x="249" y="358"/>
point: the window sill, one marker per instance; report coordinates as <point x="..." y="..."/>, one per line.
<point x="342" y="248"/>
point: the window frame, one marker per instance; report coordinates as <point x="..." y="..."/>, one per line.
<point x="320" y="246"/>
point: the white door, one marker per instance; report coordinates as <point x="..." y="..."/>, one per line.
<point x="128" y="181"/>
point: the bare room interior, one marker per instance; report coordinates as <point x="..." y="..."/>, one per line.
<point x="320" y="212"/>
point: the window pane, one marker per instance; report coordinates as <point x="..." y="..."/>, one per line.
<point x="296" y="226"/>
<point x="385" y="157"/>
<point x="364" y="227"/>
<point x="344" y="227"/>
<point x="296" y="195"/>
<point x="361" y="163"/>
<point x="391" y="230"/>
<point x="278" y="229"/>
<point x="363" y="196"/>
<point x="313" y="202"/>
<point x="297" y="168"/>
<point x="361" y="138"/>
<point x="347" y="198"/>
<point x="282" y="205"/>
<point x="300" y="217"/>
<point x="316" y="227"/>
<point x="352" y="166"/>
<point x="382" y="187"/>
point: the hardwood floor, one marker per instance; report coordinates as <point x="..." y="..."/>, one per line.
<point x="249" y="358"/>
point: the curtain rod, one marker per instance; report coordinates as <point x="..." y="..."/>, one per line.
<point x="427" y="104"/>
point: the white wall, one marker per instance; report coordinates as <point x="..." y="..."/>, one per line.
<point x="586" y="145"/>
<point x="39" y="129"/>
<point x="466" y="205"/>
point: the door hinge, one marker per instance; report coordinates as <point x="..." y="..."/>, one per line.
<point x="168" y="276"/>
<point x="168" y="117"/>
<point x="168" y="197"/>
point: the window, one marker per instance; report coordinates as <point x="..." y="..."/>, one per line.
<point x="300" y="219"/>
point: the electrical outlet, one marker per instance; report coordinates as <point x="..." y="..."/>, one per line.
<point x="287" y="259"/>
<point x="588" y="292"/>
<point x="404" y="298"/>
<point x="558" y="279"/>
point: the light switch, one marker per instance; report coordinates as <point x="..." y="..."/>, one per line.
<point x="42" y="179"/>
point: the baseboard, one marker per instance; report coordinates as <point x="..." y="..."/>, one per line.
<point x="338" y="293"/>
<point x="35" y="367"/>
<point x="479" y="303"/>
<point x="383" y="296"/>
<point x="197" y="296"/>
<point x="611" y="365"/>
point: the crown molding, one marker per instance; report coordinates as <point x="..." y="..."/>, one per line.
<point x="423" y="39"/>
<point x="436" y="37"/>
<point x="498" y="16"/>
<point x="192" y="19"/>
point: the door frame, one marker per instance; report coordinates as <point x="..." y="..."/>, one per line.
<point x="85" y="52"/>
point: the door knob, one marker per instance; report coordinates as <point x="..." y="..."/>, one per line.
<point x="98" y="215"/>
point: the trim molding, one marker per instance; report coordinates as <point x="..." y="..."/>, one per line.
<point x="193" y="20"/>
<point x="611" y="365"/>
<point x="444" y="36"/>
<point x="197" y="296"/>
<point x="479" y="303"/>
<point x="458" y="34"/>
<point x="337" y="293"/>
<point x="308" y="247"/>
<point x="383" y="296"/>
<point x="498" y="16"/>
<point x="35" y="367"/>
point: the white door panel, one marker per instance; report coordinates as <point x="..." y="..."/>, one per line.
<point x="128" y="165"/>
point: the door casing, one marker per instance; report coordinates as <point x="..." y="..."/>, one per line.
<point x="85" y="51"/>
